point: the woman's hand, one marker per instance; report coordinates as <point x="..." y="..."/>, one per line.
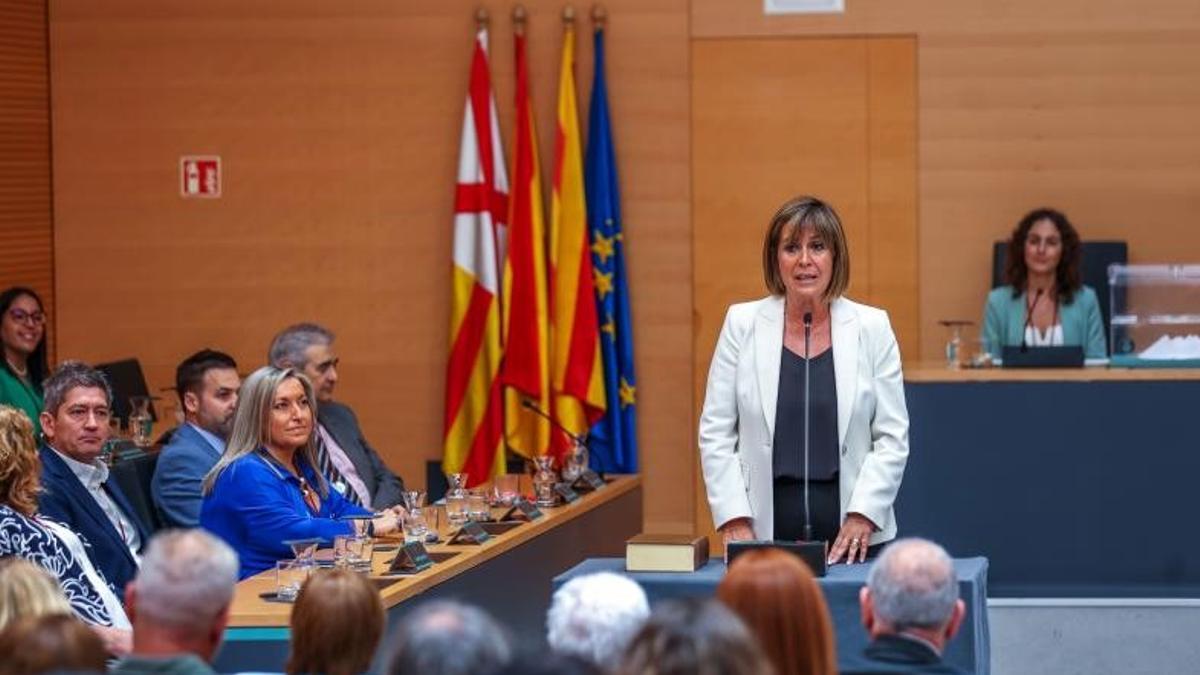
<point x="387" y="522"/>
<point x="737" y="529"/>
<point x="853" y="539"/>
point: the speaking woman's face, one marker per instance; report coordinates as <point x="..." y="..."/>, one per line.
<point x="805" y="265"/>
<point x="1043" y="248"/>
<point x="291" y="416"/>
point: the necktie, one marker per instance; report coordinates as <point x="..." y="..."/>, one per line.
<point x="326" y="466"/>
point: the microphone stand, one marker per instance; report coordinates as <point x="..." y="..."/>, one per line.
<point x="807" y="406"/>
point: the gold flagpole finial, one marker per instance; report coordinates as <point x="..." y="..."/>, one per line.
<point x="569" y="15"/>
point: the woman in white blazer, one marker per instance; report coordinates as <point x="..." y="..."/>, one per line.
<point x="751" y="428"/>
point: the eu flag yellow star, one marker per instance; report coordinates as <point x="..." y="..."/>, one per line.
<point x="604" y="283"/>
<point x="628" y="394"/>
<point x="602" y="246"/>
<point x="609" y="326"/>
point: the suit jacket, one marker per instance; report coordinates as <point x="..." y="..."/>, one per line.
<point x="737" y="425"/>
<point x="384" y="485"/>
<point x="182" y="465"/>
<point x="66" y="500"/>
<point x="1004" y="321"/>
<point x="895" y="654"/>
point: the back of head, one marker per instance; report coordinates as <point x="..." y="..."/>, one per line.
<point x="448" y="638"/>
<point x="782" y="604"/>
<point x="913" y="585"/>
<point x="550" y="664"/>
<point x="694" y="637"/>
<point x="288" y="348"/>
<point x="336" y="624"/>
<point x="595" y="616"/>
<point x="28" y="591"/>
<point x="51" y="643"/>
<point x="20" y="467"/>
<point x="184" y="586"/>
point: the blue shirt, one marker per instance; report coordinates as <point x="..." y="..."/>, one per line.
<point x="255" y="506"/>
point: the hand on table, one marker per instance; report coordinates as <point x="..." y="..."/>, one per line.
<point x="738" y="529"/>
<point x="853" y="539"/>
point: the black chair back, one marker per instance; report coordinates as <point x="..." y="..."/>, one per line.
<point x="133" y="473"/>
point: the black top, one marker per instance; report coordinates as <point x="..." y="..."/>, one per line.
<point x="892" y="654"/>
<point x="788" y="449"/>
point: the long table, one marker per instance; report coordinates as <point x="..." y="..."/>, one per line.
<point x="510" y="576"/>
<point x="1073" y="482"/>
<point x="970" y="650"/>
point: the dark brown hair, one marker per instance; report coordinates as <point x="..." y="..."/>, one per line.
<point x="780" y="601"/>
<point x="38" y="365"/>
<point x="20" y="467"/>
<point x="786" y="225"/>
<point x="336" y="624"/>
<point x="51" y="643"/>
<point x="1067" y="278"/>
<point x="694" y="636"/>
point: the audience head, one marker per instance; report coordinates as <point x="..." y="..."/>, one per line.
<point x="1044" y="242"/>
<point x="51" y="643"/>
<point x="336" y="622"/>
<point x="788" y="224"/>
<point x="912" y="588"/>
<point x="779" y="599"/>
<point x="27" y="590"/>
<point x="308" y="347"/>
<point x="77" y="407"/>
<point x="694" y="637"/>
<point x="179" y="601"/>
<point x="550" y="664"/>
<point x="23" y="333"/>
<point x="207" y="383"/>
<point x="595" y="616"/>
<point x="276" y="409"/>
<point x="20" y="466"/>
<point x="448" y="638"/>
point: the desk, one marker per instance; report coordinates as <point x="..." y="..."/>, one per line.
<point x="1074" y="483"/>
<point x="508" y="576"/>
<point x="969" y="650"/>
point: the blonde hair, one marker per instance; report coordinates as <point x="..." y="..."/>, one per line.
<point x="20" y="466"/>
<point x="252" y="422"/>
<point x="786" y="225"/>
<point x="28" y="591"/>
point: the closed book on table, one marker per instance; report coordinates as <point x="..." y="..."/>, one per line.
<point x="665" y="553"/>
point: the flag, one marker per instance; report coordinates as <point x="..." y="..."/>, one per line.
<point x="526" y="369"/>
<point x="577" y="375"/>
<point x="613" y="440"/>
<point x="474" y="416"/>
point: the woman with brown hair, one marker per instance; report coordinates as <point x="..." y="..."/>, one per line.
<point x="336" y="624"/>
<point x="51" y="643"/>
<point x="778" y="598"/>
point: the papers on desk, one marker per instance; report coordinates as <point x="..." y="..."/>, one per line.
<point x="1173" y="348"/>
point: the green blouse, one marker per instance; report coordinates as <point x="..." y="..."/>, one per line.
<point x="18" y="393"/>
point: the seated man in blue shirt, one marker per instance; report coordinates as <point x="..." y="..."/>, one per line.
<point x="207" y="383"/>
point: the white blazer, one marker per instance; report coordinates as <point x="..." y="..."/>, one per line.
<point x="737" y="425"/>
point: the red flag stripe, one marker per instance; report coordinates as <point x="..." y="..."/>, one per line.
<point x="466" y="349"/>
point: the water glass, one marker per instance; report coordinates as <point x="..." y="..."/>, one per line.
<point x="505" y="489"/>
<point x="353" y="551"/>
<point x="289" y="577"/>
<point x="457" y="509"/>
<point x="477" y="506"/>
<point x="415" y="528"/>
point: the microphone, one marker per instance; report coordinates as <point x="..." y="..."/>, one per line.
<point x="1029" y="320"/>
<point x="807" y="406"/>
<point x="536" y="409"/>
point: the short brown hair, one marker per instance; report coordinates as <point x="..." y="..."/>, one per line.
<point x="336" y="624"/>
<point x="20" y="466"/>
<point x="796" y="214"/>
<point x="779" y="599"/>
<point x="51" y="643"/>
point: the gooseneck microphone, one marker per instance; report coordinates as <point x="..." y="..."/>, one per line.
<point x="537" y="410"/>
<point x="1029" y="320"/>
<point x="807" y="406"/>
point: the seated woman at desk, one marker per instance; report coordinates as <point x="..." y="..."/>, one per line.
<point x="265" y="490"/>
<point x="1045" y="303"/>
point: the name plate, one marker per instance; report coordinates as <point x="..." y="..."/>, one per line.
<point x="471" y="533"/>
<point x="412" y="557"/>
<point x="590" y="480"/>
<point x="522" y="508"/>
<point x="565" y="491"/>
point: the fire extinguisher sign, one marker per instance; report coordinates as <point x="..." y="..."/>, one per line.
<point x="200" y="176"/>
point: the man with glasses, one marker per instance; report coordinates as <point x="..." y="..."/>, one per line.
<point x="354" y="468"/>
<point x="77" y="492"/>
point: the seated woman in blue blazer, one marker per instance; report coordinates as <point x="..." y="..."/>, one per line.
<point x="265" y="489"/>
<point x="1045" y="303"/>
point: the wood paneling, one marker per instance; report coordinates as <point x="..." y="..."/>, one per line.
<point x="773" y="118"/>
<point x="338" y="125"/>
<point x="26" y="225"/>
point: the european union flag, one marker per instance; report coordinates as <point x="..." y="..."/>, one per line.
<point x="613" y="440"/>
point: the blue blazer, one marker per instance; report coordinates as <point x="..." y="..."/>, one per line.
<point x="255" y="506"/>
<point x="182" y="465"/>
<point x="1004" y="321"/>
<point x="66" y="500"/>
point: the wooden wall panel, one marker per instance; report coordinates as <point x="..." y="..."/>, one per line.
<point x="338" y="125"/>
<point x="26" y="225"/>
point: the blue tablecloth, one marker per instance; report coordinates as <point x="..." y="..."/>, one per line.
<point x="970" y="650"/>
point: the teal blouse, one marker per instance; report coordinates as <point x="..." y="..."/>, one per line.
<point x="17" y="393"/>
<point x="1004" y="321"/>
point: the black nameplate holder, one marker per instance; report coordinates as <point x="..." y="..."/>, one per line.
<point x="410" y="559"/>
<point x="567" y="493"/>
<point x="588" y="481"/>
<point x="470" y="533"/>
<point x="522" y="509"/>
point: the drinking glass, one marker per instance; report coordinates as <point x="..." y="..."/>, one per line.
<point x="477" y="507"/>
<point x="415" y="528"/>
<point x="505" y="488"/>
<point x="457" y="509"/>
<point x="289" y="577"/>
<point x="576" y="462"/>
<point x="544" y="481"/>
<point x="140" y="421"/>
<point x="353" y="551"/>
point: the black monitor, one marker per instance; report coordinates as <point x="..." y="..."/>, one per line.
<point x="126" y="379"/>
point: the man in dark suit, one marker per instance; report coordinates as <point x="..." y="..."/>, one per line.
<point x="353" y="467"/>
<point x="207" y="383"/>
<point x="77" y="491"/>
<point x="911" y="608"/>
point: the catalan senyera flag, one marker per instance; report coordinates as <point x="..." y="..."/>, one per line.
<point x="526" y="369"/>
<point x="577" y="374"/>
<point x="613" y="440"/>
<point x="474" y="417"/>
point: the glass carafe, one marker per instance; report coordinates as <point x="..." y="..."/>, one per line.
<point x="140" y="421"/>
<point x="575" y="462"/>
<point x="544" y="480"/>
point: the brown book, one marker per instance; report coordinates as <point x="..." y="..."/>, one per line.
<point x="665" y="553"/>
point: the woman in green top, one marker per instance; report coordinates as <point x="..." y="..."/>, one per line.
<point x="23" y="338"/>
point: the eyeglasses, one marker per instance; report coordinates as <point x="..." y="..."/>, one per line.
<point x="21" y="316"/>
